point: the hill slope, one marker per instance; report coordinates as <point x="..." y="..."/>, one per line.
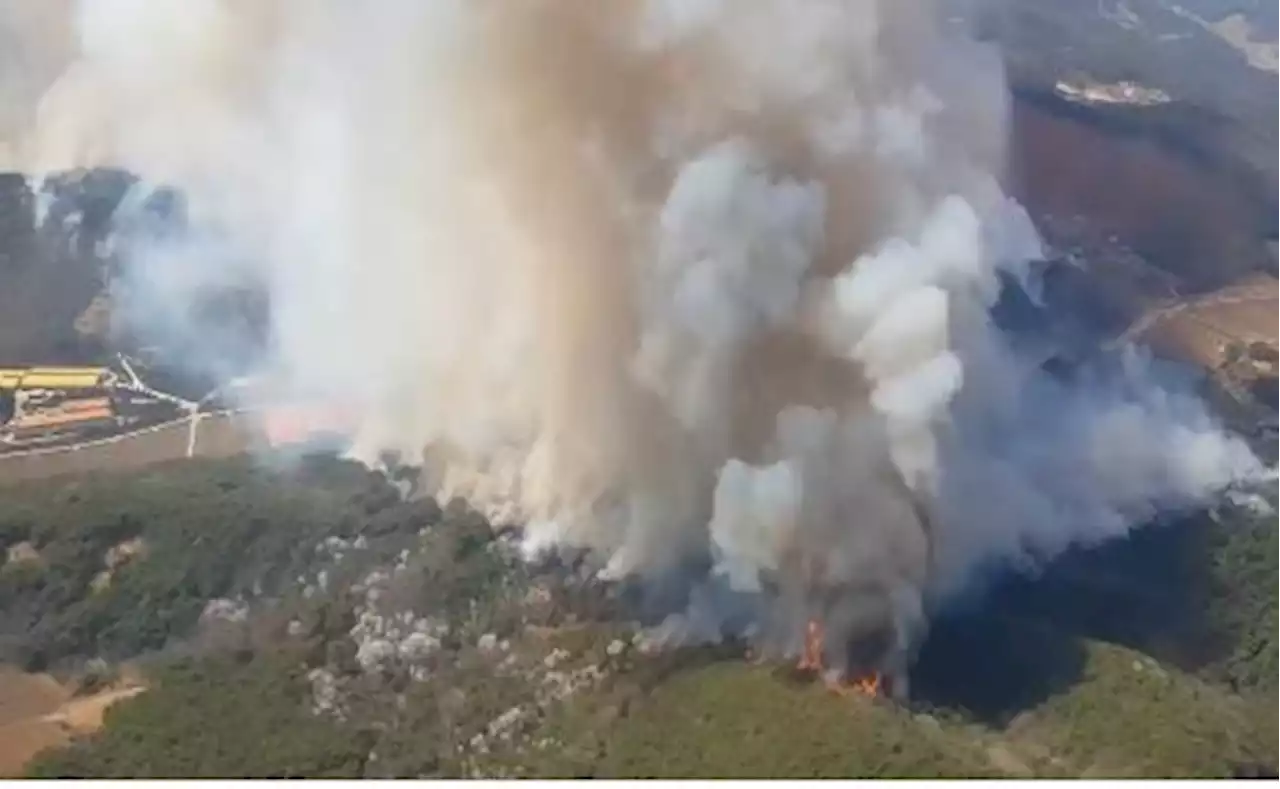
<point x="309" y="609"/>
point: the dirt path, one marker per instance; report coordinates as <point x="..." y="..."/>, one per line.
<point x="36" y="712"/>
<point x="1254" y="294"/>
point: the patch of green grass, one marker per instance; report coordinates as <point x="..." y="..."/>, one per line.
<point x="1129" y="716"/>
<point x="726" y="719"/>
<point x="1126" y="716"/>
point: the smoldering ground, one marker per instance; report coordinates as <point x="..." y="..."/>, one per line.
<point x="698" y="283"/>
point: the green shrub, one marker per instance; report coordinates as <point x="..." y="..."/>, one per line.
<point x="210" y="528"/>
<point x="214" y="718"/>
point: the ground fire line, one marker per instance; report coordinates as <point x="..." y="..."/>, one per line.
<point x="811" y="661"/>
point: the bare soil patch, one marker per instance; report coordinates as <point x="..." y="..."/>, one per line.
<point x="1200" y="329"/>
<point x="38" y="712"/>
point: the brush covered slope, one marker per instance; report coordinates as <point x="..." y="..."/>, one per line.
<point x="309" y="621"/>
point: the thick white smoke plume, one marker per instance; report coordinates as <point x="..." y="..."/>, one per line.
<point x="665" y="280"/>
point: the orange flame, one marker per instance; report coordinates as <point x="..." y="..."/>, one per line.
<point x="295" y="424"/>
<point x="811" y="660"/>
<point x="866" y="685"/>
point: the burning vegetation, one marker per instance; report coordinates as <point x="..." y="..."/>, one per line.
<point x="812" y="660"/>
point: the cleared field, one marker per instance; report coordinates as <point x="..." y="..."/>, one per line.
<point x="1198" y="329"/>
<point x="218" y="435"/>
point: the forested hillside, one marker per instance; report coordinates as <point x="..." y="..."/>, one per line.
<point x="306" y="620"/>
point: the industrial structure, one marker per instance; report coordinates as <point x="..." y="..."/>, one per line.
<point x="40" y="406"/>
<point x="45" y="407"/>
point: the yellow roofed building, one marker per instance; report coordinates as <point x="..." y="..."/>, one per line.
<point x="54" y="377"/>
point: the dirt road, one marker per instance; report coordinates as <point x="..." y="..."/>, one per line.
<point x="1197" y="328"/>
<point x="37" y="712"/>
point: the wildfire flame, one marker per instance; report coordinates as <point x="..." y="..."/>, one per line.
<point x="811" y="660"/>
<point x="294" y="424"/>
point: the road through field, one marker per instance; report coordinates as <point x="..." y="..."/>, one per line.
<point x="218" y="434"/>
<point x="1245" y="294"/>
